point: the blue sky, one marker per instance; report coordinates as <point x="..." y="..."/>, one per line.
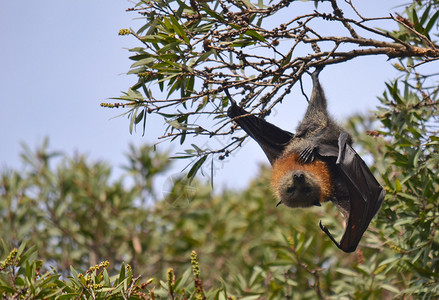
<point x="60" y="59"/>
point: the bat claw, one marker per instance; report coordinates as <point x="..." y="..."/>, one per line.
<point x="307" y="155"/>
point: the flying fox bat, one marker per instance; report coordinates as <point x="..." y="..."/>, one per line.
<point x="317" y="164"/>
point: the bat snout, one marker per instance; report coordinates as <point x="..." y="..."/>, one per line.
<point x="299" y="176"/>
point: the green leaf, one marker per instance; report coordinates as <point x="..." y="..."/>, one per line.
<point x="203" y="57"/>
<point x="135" y="95"/>
<point x="182" y="157"/>
<point x="20" y="251"/>
<point x="408" y="196"/>
<point x="177" y="85"/>
<point x="6" y="289"/>
<point x="235" y="26"/>
<point x="122" y="273"/>
<point x="68" y="296"/>
<point x="197" y="148"/>
<point x="167" y="24"/>
<point x="190" y="84"/>
<point x="347" y="272"/>
<point x="139" y="117"/>
<point x="416" y="158"/>
<point x="197" y="165"/>
<point x="255" y="35"/>
<point x="287" y="59"/>
<point x="179" y="29"/>
<point x="136" y="70"/>
<point x="182" y="281"/>
<point x="168" y="78"/>
<point x="145" y="61"/>
<point x="415" y="18"/>
<point x="425" y="15"/>
<point x="143" y="28"/>
<point x="240" y="43"/>
<point x="211" y="173"/>
<point x="29" y="256"/>
<point x="176" y="124"/>
<point x="73" y="271"/>
<point x="154" y="39"/>
<point x="212" y="13"/>
<point x="183" y="137"/>
<point x="133" y="119"/>
<point x="390" y="288"/>
<point x="169" y="46"/>
<point x="397" y="185"/>
<point x="250" y="297"/>
<point x="432" y="22"/>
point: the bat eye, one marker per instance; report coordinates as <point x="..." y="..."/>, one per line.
<point x="291" y="190"/>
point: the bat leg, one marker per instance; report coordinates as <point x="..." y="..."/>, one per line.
<point x="307" y="155"/>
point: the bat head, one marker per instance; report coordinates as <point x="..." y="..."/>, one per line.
<point x="299" y="188"/>
<point x="301" y="185"/>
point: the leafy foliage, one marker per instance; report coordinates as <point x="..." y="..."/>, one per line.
<point x="20" y="278"/>
<point x="61" y="215"/>
<point x="413" y="186"/>
<point x="247" y="247"/>
<point x="406" y="158"/>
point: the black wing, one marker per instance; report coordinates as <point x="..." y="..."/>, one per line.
<point x="365" y="196"/>
<point x="272" y="139"/>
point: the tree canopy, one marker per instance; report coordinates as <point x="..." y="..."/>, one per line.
<point x="70" y="231"/>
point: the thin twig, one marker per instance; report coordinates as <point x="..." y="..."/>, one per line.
<point x="339" y="13"/>
<point x="423" y="37"/>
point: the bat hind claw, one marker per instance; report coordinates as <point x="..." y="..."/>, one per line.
<point x="326" y="230"/>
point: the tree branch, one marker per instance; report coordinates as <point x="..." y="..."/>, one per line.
<point x="200" y="49"/>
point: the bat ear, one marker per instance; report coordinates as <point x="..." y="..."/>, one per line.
<point x="365" y="196"/>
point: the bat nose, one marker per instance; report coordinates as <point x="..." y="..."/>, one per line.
<point x="299" y="176"/>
